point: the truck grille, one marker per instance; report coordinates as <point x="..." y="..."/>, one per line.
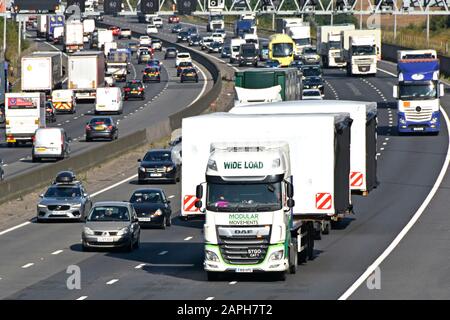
<point x="364" y="61"/>
<point x="411" y="114"/>
<point x="240" y="250"/>
<point x="58" y="207"/>
<point x="217" y="25"/>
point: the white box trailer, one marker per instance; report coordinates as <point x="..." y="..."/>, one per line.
<point x="86" y="73"/>
<point x="41" y="71"/>
<point x="73" y="36"/>
<point x="104" y="36"/>
<point x="347" y="34"/>
<point x="320" y="175"/>
<point x="363" y="153"/>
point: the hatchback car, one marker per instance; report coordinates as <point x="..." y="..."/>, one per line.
<point x="134" y="89"/>
<point x="145" y="41"/>
<point x="152" y="207"/>
<point x="101" y="128"/>
<point x="152" y="73"/>
<point x="183" y="36"/>
<point x="189" y="74"/>
<point x="50" y="112"/>
<point x="115" y="30"/>
<point x="226" y="52"/>
<point x="144" y="57"/>
<point x="65" y="199"/>
<point x="111" y="224"/>
<point x="171" y="53"/>
<point x="311" y="94"/>
<point x="125" y="33"/>
<point x="159" y="165"/>
<point x="310" y="56"/>
<point x="177" y="28"/>
<point x="215" y="47"/>
<point x="271" y="64"/>
<point x="194" y="40"/>
<point x="154" y="63"/>
<point x="152" y="29"/>
<point x="183" y="65"/>
<point x="157" y="44"/>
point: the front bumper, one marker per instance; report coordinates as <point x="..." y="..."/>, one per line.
<point x="151" y="78"/>
<point x="99" y="134"/>
<point x="116" y="241"/>
<point x="405" y="126"/>
<point x="151" y="176"/>
<point x="189" y="78"/>
<point x="138" y="95"/>
<point x="364" y="68"/>
<point x="70" y="214"/>
<point x="149" y="220"/>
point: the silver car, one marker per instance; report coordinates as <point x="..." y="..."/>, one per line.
<point x="64" y="201"/>
<point x="111" y="224"/>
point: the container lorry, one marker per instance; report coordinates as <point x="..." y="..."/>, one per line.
<point x="252" y="222"/>
<point x="117" y="65"/>
<point x="362" y="50"/>
<point x="41" y="71"/>
<point x="297" y="29"/>
<point x="289" y="79"/>
<point x="86" y="73"/>
<point x="363" y="158"/>
<point x="24" y="113"/>
<point x="73" y="36"/>
<point x="329" y="44"/>
<point x="54" y="21"/>
<point x="418" y="95"/>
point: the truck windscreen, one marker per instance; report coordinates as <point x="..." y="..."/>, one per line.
<point x="334" y="44"/>
<point x="301" y="42"/>
<point x="280" y="50"/>
<point x="363" y="50"/>
<point x="249" y="52"/>
<point x="244" y="197"/>
<point x="418" y="91"/>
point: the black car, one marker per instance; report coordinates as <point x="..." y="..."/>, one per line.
<point x="101" y="128"/>
<point x="183" y="36"/>
<point x="189" y="74"/>
<point x="2" y="173"/>
<point x="183" y="65"/>
<point x="152" y="207"/>
<point x="134" y="89"/>
<point x="215" y="47"/>
<point x="151" y="74"/>
<point x="194" y="40"/>
<point x="50" y="112"/>
<point x="177" y="28"/>
<point x="158" y="165"/>
<point x="313" y="83"/>
<point x="171" y="53"/>
<point x="311" y="71"/>
<point x="296" y="64"/>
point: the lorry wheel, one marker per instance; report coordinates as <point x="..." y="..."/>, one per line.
<point x="326" y="228"/>
<point x="293" y="261"/>
<point x="212" y="276"/>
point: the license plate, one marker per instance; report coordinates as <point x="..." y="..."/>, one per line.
<point x="190" y="74"/>
<point x="418" y="129"/>
<point x="145" y="219"/>
<point x="101" y="106"/>
<point x="99" y="128"/>
<point x="105" y="239"/>
<point x="41" y="149"/>
<point x="155" y="175"/>
<point x="244" y="270"/>
<point x="134" y="91"/>
<point x="59" y="213"/>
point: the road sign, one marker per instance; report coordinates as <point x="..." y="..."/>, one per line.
<point x="79" y="3"/>
<point x="185" y="7"/>
<point x="112" y="6"/>
<point x="149" y="6"/>
<point x="40" y="5"/>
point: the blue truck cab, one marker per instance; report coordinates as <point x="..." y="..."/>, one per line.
<point x="418" y="95"/>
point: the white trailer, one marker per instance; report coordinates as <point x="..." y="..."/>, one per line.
<point x="329" y="44"/>
<point x="86" y="73"/>
<point x="41" y="29"/>
<point x="301" y="36"/>
<point x="41" y="71"/>
<point x="73" y="36"/>
<point x="24" y="114"/>
<point x="363" y="158"/>
<point x="88" y="29"/>
<point x="104" y="36"/>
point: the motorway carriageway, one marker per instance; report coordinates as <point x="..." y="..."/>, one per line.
<point x="162" y="100"/>
<point x="169" y="263"/>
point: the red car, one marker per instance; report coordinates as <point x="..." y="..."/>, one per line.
<point x="115" y="30"/>
<point x="174" y="19"/>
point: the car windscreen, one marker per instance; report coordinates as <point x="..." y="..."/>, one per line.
<point x="63" y="192"/>
<point x="189" y="70"/>
<point x="147" y="196"/>
<point x="309" y="51"/>
<point x="183" y="56"/>
<point x="158" y="156"/>
<point x="311" y="93"/>
<point x="282" y="49"/>
<point x="109" y="213"/>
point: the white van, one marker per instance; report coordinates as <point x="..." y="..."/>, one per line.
<point x="50" y="143"/>
<point x="109" y="99"/>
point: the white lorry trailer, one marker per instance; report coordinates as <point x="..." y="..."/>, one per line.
<point x="86" y="73"/>
<point x="41" y="71"/>
<point x="362" y="50"/>
<point x="88" y="29"/>
<point x="363" y="158"/>
<point x="329" y="44"/>
<point x="24" y="113"/>
<point x="252" y="224"/>
<point x="104" y="36"/>
<point x="73" y="36"/>
<point x="297" y="29"/>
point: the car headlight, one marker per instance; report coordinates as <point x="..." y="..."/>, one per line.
<point x="41" y="206"/>
<point x="157" y="213"/>
<point x="142" y="169"/>
<point x="88" y="231"/>
<point x="78" y="205"/>
<point x="211" y="256"/>
<point x="170" y="168"/>
<point x="123" y="231"/>
<point x="277" y="255"/>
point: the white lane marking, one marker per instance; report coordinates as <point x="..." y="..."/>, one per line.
<point x="209" y="298"/>
<point x="387" y="72"/>
<point x="14" y="228"/>
<point x="233" y="282"/>
<point x="57" y="252"/>
<point x="25" y="266"/>
<point x="112" y="281"/>
<point x="57" y="49"/>
<point x="410" y="224"/>
<point x="187" y="239"/>
<point x="140" y="266"/>
<point x="134" y="71"/>
<point x="113" y="186"/>
<point x="162" y="253"/>
<point x="170" y="197"/>
<point x="381" y="149"/>
<point x="82" y="298"/>
<point x="205" y="83"/>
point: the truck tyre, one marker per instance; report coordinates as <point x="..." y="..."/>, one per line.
<point x="326" y="228"/>
<point x="212" y="276"/>
<point x="293" y="260"/>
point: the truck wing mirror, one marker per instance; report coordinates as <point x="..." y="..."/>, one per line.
<point x="290" y="203"/>
<point x="290" y="190"/>
<point x="395" y="92"/>
<point x="199" y="191"/>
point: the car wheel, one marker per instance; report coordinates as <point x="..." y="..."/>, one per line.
<point x="129" y="247"/>
<point x="212" y="276"/>
<point x="137" y="244"/>
<point x="196" y="80"/>
<point x="34" y="159"/>
<point x="140" y="181"/>
<point x="181" y="80"/>
<point x="169" y="222"/>
<point x="88" y="139"/>
<point x="164" y="223"/>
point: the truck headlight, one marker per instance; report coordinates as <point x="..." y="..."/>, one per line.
<point x="434" y="120"/>
<point x="123" y="231"/>
<point x="402" y="120"/>
<point x="277" y="255"/>
<point x="88" y="231"/>
<point x="212" y="165"/>
<point x="211" y="256"/>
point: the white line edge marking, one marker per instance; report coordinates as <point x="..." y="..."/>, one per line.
<point x="25" y="266"/>
<point x="140" y="266"/>
<point x="112" y="281"/>
<point x="81" y="298"/>
<point x="409" y="225"/>
<point x="209" y="298"/>
<point x="57" y="252"/>
<point x="14" y="228"/>
<point x="187" y="238"/>
<point x="162" y="253"/>
<point x="205" y="83"/>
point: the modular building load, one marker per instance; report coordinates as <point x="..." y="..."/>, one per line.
<point x="362" y="50"/>
<point x="290" y="80"/>
<point x="86" y="73"/>
<point x="73" y="36"/>
<point x="251" y="172"/>
<point x="329" y="44"/>
<point x="54" y="21"/>
<point x="88" y="29"/>
<point x="42" y="71"/>
<point x="418" y="93"/>
<point x="25" y="112"/>
<point x="363" y="159"/>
